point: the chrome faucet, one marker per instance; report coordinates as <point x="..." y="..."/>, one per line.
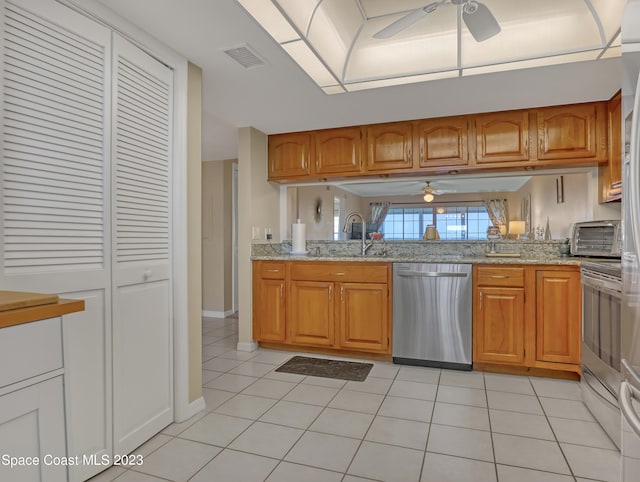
<point x="365" y="245"/>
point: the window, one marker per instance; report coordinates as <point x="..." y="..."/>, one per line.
<point x="452" y="222"/>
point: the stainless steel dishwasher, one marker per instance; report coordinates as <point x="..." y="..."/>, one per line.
<point x="432" y="315"/>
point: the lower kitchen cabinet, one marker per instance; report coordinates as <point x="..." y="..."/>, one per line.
<point x="330" y="305"/>
<point x="558" y="316"/>
<point x="364" y="319"/>
<point x="499" y="325"/>
<point x="527" y="317"/>
<point x="311" y="310"/>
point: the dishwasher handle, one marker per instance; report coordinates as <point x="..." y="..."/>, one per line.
<point x="431" y="274"/>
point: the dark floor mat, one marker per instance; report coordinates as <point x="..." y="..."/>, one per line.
<point x="322" y="367"/>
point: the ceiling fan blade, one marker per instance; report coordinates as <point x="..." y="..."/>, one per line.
<point x="403" y="22"/>
<point x="480" y="21"/>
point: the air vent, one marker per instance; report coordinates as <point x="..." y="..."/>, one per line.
<point x="245" y="56"/>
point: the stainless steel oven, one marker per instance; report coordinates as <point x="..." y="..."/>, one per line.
<point x="601" y="339"/>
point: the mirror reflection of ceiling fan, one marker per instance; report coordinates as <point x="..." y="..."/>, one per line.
<point x="476" y="16"/>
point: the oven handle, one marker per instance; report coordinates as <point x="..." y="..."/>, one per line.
<point x="608" y="287"/>
<point x="627" y="392"/>
<point x="431" y="274"/>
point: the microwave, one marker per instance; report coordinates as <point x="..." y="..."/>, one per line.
<point x="597" y="238"/>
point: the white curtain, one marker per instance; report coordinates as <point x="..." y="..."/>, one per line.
<point x="377" y="212"/>
<point x="497" y="209"/>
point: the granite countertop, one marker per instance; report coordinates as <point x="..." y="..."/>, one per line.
<point x="558" y="260"/>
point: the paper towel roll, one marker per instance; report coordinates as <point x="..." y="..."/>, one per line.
<point x="298" y="238"/>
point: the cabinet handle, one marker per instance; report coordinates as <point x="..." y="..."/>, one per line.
<point x="421" y="153"/>
<point x="273" y="271"/>
<point x="481" y="300"/>
<point x="330" y="292"/>
<point x="281" y="291"/>
<point x="497" y="276"/>
<point x="409" y="153"/>
<point x="339" y="274"/>
<point x="342" y="294"/>
<point x="541" y="147"/>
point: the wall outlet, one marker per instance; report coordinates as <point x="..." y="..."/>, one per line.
<point x="255" y="232"/>
<point x="268" y="234"/>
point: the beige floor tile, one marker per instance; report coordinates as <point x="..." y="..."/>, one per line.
<point x="407" y="389"/>
<point x="546" y="387"/>
<point x="445" y="468"/>
<point x="231" y="382"/>
<point x="407" y="408"/>
<point x="384" y="370"/>
<point x="221" y="364"/>
<point x="108" y="475"/>
<point x="593" y="463"/>
<point x="522" y="424"/>
<point x="253" y="369"/>
<point x="518" y="474"/>
<point x="370" y="385"/>
<point x="357" y="401"/>
<point x="574" y="409"/>
<point x="267" y="439"/>
<point x="419" y="374"/>
<point x="579" y="432"/>
<point x="216" y="429"/>
<point x="342" y="422"/>
<point x="514" y="402"/>
<point x="245" y="406"/>
<point x="462" y="379"/>
<point x="291" y="414"/>
<point x="461" y="416"/>
<point x="269" y="388"/>
<point x="176" y="428"/>
<point x="288" y="472"/>
<point x="462" y="396"/>
<point x="274" y="357"/>
<point x="232" y="466"/>
<point x="209" y="375"/>
<point x="387" y="463"/>
<point x="324" y="382"/>
<point x="324" y="451"/>
<point x="152" y="445"/>
<point x="285" y="377"/>
<point x="461" y="442"/>
<point x="311" y="394"/>
<point x="133" y="476"/>
<point x="508" y="383"/>
<point x="178" y="459"/>
<point x="396" y="431"/>
<point x="529" y="453"/>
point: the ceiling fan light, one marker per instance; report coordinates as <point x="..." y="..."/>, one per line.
<point x="428" y="197"/>
<point x="480" y="21"/>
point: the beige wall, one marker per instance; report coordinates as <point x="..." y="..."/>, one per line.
<point x="301" y="202"/>
<point x="258" y="206"/>
<point x="194" y="207"/>
<point x="580" y="202"/>
<point x="217" y="206"/>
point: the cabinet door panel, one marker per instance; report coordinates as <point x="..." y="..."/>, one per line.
<point x="269" y="310"/>
<point x="312" y="313"/>
<point x="610" y="175"/>
<point x="364" y="316"/>
<point x="502" y="137"/>
<point x="567" y="132"/>
<point x="443" y="142"/>
<point x="289" y="155"/>
<point x="389" y="146"/>
<point x="338" y="151"/>
<point x="499" y="325"/>
<point x="559" y="316"/>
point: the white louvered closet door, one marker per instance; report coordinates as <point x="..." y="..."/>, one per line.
<point x="56" y="195"/>
<point x="142" y="335"/>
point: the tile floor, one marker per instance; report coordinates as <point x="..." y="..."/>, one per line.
<point x="401" y="424"/>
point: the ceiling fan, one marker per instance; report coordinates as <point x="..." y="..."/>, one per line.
<point x="428" y="192"/>
<point x="476" y="16"/>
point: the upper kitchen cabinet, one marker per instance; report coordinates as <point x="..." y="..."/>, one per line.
<point x="338" y="151"/>
<point x="575" y="131"/>
<point x="502" y="137"/>
<point x="290" y="155"/>
<point x="610" y="175"/>
<point x="442" y="142"/>
<point x="389" y="146"/>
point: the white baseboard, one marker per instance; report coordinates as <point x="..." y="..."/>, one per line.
<point x="217" y="314"/>
<point x="247" y="346"/>
<point x="190" y="410"/>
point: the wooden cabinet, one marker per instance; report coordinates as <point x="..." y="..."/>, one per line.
<point x="338" y="151"/>
<point x="610" y="174"/>
<point x="442" y="142"/>
<point x="364" y="316"/>
<point x="331" y="305"/>
<point x="527" y="317"/>
<point x="499" y="328"/>
<point x="290" y="155"/>
<point x="269" y="290"/>
<point x="571" y="132"/>
<point x="311" y="313"/>
<point x="389" y="147"/>
<point x="558" y="316"/>
<point x="502" y="137"/>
